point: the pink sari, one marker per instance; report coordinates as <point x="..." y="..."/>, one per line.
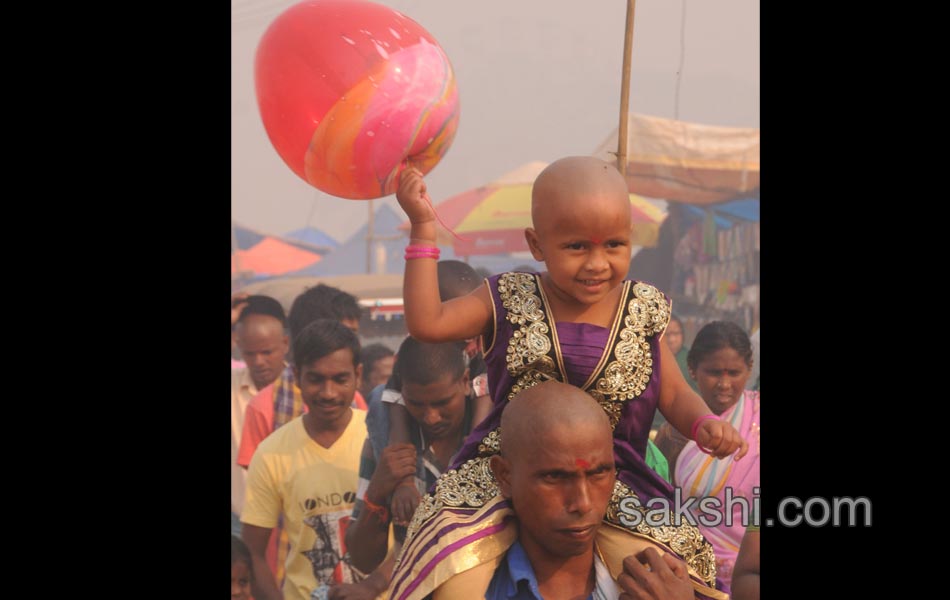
<point x="701" y="475"/>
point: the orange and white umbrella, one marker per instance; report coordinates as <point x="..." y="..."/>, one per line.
<point x="491" y="219"/>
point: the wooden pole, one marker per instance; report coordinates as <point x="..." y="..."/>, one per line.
<point x="625" y="91"/>
<point x="369" y="238"/>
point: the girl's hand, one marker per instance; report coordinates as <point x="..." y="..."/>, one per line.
<point x="412" y="197"/>
<point x="720" y="439"/>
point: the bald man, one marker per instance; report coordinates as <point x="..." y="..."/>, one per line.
<point x="260" y="336"/>
<point x="555" y="471"/>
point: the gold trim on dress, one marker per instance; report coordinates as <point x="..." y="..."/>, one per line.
<point x="494" y="320"/>
<point x="628" y="372"/>
<point x="529" y="360"/>
<point x="491" y="443"/>
<point x="624" y="510"/>
<point x="614" y="325"/>
<point x="471" y="485"/>
<point x="549" y="314"/>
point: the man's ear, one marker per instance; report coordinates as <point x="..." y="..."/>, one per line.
<point x="501" y="468"/>
<point x="531" y="236"/>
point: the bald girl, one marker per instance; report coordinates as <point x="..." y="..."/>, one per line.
<point x="575" y="189"/>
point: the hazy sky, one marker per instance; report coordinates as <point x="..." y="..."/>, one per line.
<point x="537" y="80"/>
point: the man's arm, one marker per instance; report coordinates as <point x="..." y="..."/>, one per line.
<point x="370" y="588"/>
<point x="745" y="575"/>
<point x="263" y="584"/>
<point x="262" y="509"/>
<point x="367" y="537"/>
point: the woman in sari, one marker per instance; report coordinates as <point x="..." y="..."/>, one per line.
<point x="720" y="362"/>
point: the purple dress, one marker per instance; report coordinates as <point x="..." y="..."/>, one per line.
<point x="573" y="351"/>
<point x="464" y="521"/>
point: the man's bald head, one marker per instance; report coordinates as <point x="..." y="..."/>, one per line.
<point x="263" y="345"/>
<point x="574" y="182"/>
<point x="557" y="470"/>
<point x="535" y="412"/>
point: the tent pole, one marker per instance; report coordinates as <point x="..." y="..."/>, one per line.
<point x="625" y="91"/>
<point x="369" y="238"/>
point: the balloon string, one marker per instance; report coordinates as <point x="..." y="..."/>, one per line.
<point x="439" y="219"/>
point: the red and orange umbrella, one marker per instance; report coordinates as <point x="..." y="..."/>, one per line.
<point x="491" y="219"/>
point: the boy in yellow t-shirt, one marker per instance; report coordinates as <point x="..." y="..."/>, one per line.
<point x="306" y="473"/>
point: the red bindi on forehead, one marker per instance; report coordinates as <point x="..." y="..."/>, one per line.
<point x="596" y="240"/>
<point x="583" y="464"/>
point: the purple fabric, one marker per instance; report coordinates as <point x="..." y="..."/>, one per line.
<point x="465" y="512"/>
<point x="581" y="347"/>
<point x="448" y="549"/>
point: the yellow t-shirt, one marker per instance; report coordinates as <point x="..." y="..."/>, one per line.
<point x="315" y="489"/>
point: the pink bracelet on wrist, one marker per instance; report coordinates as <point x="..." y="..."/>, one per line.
<point x="419" y="251"/>
<point x="697" y="423"/>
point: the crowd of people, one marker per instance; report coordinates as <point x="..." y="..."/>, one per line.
<point x="506" y="449"/>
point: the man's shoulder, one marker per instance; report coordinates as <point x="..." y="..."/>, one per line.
<point x="238" y="376"/>
<point x="263" y="401"/>
<point x="283" y="439"/>
<point x="359" y="418"/>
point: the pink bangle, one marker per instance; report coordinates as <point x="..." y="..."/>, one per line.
<point x="419" y="251"/>
<point x="697" y="423"/>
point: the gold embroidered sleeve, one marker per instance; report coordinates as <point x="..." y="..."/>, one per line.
<point x="626" y="511"/>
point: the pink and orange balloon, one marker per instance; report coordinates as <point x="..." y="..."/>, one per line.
<point x="349" y="91"/>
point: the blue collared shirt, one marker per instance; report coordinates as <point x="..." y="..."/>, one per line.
<point x="514" y="579"/>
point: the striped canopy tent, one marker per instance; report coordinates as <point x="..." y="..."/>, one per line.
<point x="686" y="162"/>
<point x="491" y="219"/>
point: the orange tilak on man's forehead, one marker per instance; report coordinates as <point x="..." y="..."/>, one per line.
<point x="580" y="462"/>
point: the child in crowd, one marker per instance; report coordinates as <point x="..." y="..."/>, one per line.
<point x="580" y="322"/>
<point x="240" y="570"/>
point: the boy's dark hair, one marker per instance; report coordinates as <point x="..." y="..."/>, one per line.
<point x="370" y="354"/>
<point x="263" y="305"/>
<point x="239" y="552"/>
<point x="321" y="302"/>
<point x="716" y="336"/>
<point x="422" y="364"/>
<point x="321" y="338"/>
